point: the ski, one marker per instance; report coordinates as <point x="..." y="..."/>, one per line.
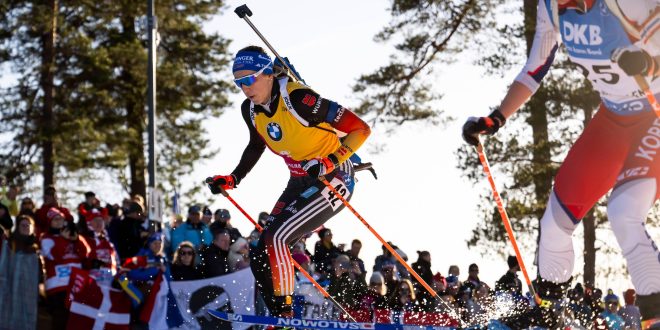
<point x="651" y="324"/>
<point x="316" y="324"/>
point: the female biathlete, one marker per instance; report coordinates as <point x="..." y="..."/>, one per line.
<point x="298" y="124"/>
<point x="616" y="43"/>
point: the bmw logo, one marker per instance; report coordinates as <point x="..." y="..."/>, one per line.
<point x="274" y="131"/>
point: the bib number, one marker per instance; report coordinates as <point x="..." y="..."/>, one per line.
<point x="603" y="73"/>
<point x="330" y="196"/>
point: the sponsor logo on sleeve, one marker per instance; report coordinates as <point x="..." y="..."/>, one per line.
<point x="309" y="100"/>
<point x="340" y="113"/>
<point x="317" y="106"/>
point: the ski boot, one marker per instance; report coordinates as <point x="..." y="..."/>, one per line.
<point x="283" y="307"/>
<point x="549" y="313"/>
<point x="649" y="307"/>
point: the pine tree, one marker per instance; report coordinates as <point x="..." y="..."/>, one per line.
<point x="432" y="32"/>
<point x="187" y="90"/>
<point x="39" y="46"/>
<point x="99" y="116"/>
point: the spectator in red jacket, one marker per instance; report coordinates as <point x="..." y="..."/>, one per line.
<point x="50" y="201"/>
<point x="62" y="250"/>
<point x="102" y="258"/>
<point x="90" y="203"/>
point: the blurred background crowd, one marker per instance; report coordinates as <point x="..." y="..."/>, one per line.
<point x="41" y="241"/>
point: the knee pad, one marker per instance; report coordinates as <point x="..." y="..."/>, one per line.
<point x="556" y="254"/>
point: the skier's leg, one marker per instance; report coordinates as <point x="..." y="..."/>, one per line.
<point x="627" y="211"/>
<point x="259" y="263"/>
<point x="556" y="254"/>
<point x="311" y="208"/>
<point x="633" y="196"/>
<point x="262" y="273"/>
<point x="588" y="172"/>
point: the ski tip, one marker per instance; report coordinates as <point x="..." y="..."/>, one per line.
<point x="652" y="324"/>
<point x="219" y="314"/>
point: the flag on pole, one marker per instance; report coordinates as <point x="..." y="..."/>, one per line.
<point x="176" y="208"/>
<point x="96" y="307"/>
<point x="160" y="310"/>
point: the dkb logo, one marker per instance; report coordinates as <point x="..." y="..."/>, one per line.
<point x="581" y="34"/>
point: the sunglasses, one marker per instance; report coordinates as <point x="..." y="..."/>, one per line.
<point x="186" y="253"/>
<point x="249" y="79"/>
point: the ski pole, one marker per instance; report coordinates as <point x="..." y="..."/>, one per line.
<point x="641" y="81"/>
<point x="295" y="263"/>
<point x="387" y="245"/>
<point x="505" y="220"/>
<point x="244" y="12"/>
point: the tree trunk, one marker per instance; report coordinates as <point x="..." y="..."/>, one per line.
<point x="136" y="159"/>
<point x="47" y="81"/>
<point x="589" y="224"/>
<point x="538" y="120"/>
<point x="135" y="118"/>
<point x="136" y="163"/>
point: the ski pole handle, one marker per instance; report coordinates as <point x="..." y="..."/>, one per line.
<point x="223" y="192"/>
<point x="362" y="167"/>
<point x="366" y="166"/>
<point x="243" y="11"/>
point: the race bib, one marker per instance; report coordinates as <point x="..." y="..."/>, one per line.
<point x="330" y="196"/>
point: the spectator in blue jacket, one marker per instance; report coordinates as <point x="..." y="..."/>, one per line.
<point x="610" y="314"/>
<point x="193" y="230"/>
<point x="156" y="261"/>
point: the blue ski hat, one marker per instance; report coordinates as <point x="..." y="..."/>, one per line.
<point x="611" y="297"/>
<point x="251" y="60"/>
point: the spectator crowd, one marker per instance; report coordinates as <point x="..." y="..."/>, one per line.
<point x="40" y="246"/>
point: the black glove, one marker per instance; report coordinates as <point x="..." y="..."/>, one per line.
<point x="482" y="125"/>
<point x="225" y="182"/>
<point x="634" y="61"/>
<point x="320" y="166"/>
